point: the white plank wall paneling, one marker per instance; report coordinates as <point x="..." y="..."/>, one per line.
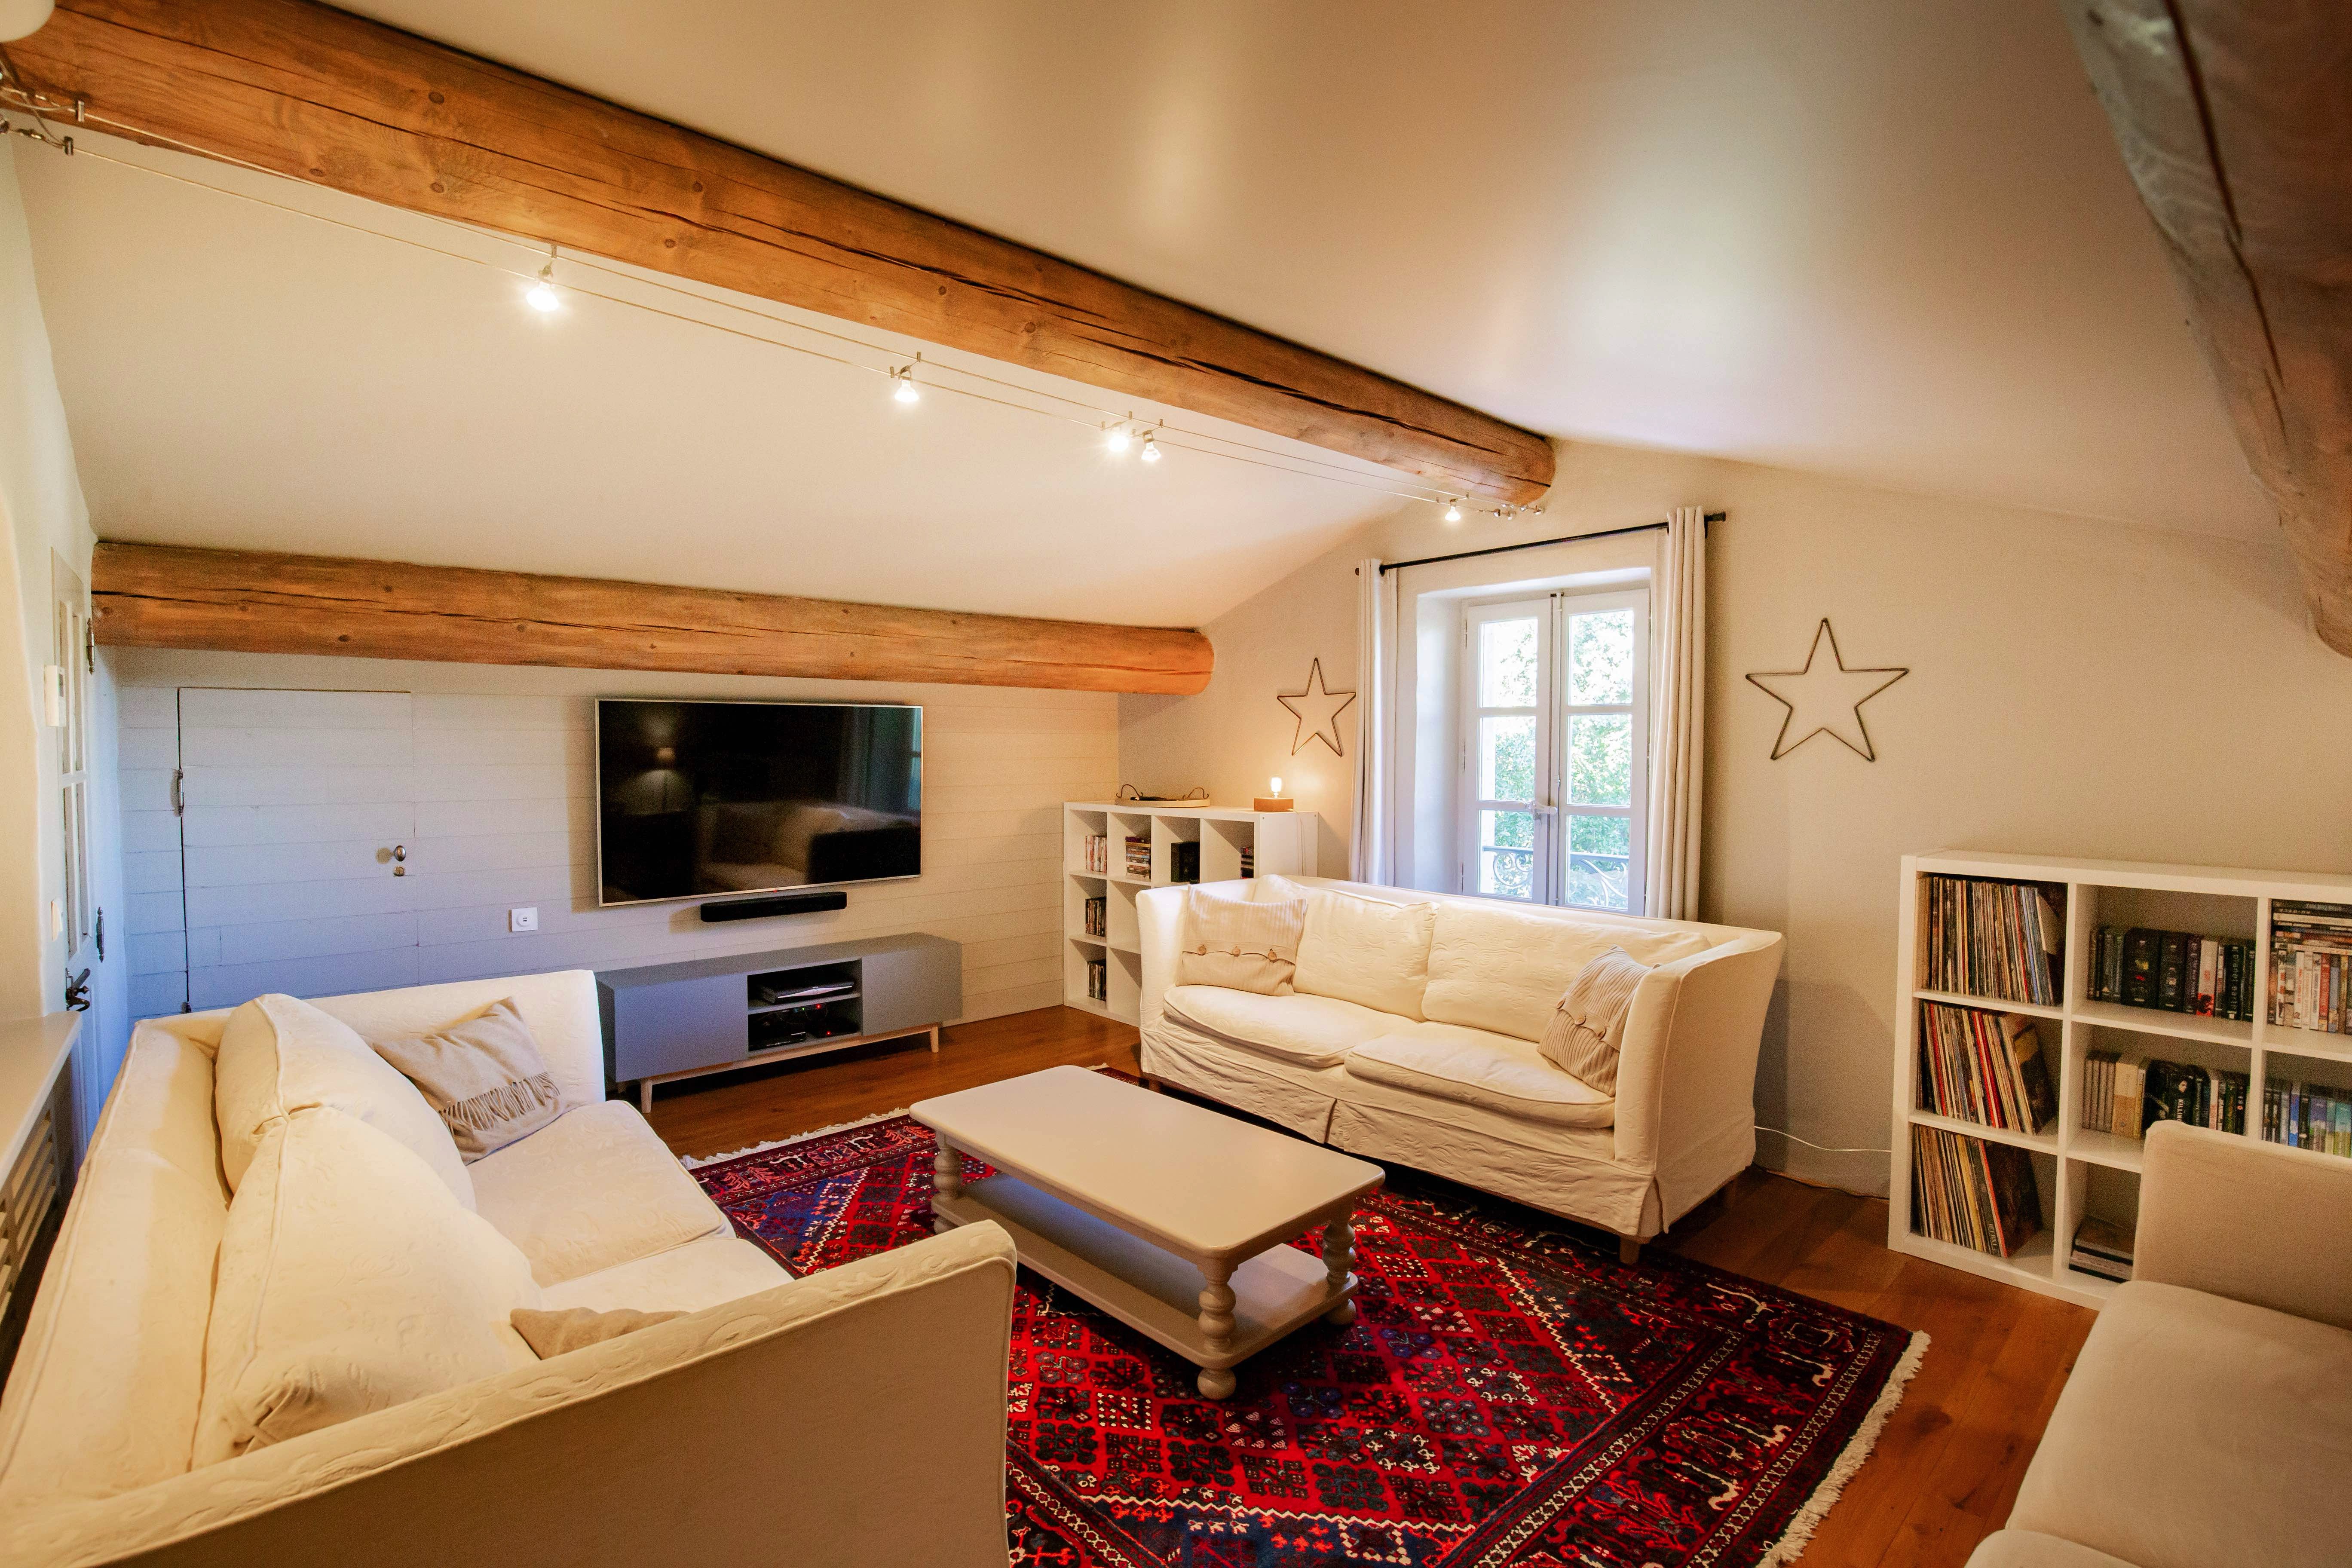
<point x="302" y="773"/>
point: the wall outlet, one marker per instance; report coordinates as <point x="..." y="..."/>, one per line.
<point x="522" y="920"/>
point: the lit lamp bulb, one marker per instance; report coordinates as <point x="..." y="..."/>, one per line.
<point x="1277" y="789"/>
<point x="1453" y="512"/>
<point x="542" y="296"/>
<point x="1116" y="439"/>
<point x="1273" y="799"/>
<point x="1151" y="450"/>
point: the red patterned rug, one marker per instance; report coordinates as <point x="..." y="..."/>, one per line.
<point x="1508" y="1394"/>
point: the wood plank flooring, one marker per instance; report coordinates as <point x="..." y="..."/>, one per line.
<point x="1948" y="1463"/>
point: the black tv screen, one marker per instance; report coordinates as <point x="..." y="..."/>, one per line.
<point x="701" y="799"/>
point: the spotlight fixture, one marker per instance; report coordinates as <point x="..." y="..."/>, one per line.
<point x="1453" y="511"/>
<point x="1117" y="437"/>
<point x="905" y="376"/>
<point x="1151" y="447"/>
<point x="542" y="296"/>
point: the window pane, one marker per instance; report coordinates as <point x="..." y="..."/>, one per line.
<point x="1599" y="835"/>
<point x="1506" y="759"/>
<point x="1507" y="664"/>
<point x="1507" y="857"/>
<point x="1599" y="882"/>
<point x="1599" y="759"/>
<point x="1601" y="656"/>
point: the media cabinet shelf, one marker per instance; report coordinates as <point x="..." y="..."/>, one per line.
<point x="2078" y="1171"/>
<point x="1277" y="842"/>
<point x="669" y="1021"/>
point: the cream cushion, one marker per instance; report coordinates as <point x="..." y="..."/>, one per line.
<point x="684" y="1280"/>
<point x="1244" y="944"/>
<point x="1503" y="969"/>
<point x="1314" y="1031"/>
<point x="559" y="1007"/>
<point x="1365" y="951"/>
<point x="483" y="1077"/>
<point x="351" y="1280"/>
<point x="1477" y="1067"/>
<point x="2184" y="1413"/>
<point x="278" y="1056"/>
<point x="1586" y="1033"/>
<point x="594" y="1187"/>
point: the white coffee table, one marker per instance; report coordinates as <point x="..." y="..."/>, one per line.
<point x="1169" y="1218"/>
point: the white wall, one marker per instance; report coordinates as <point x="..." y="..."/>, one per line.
<point x="503" y="757"/>
<point x="2078" y="687"/>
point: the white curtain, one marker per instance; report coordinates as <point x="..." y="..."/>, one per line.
<point x="1678" y="722"/>
<point x="1368" y="855"/>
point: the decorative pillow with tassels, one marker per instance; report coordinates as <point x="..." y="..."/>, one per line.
<point x="483" y="1074"/>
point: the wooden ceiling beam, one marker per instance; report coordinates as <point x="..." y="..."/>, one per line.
<point x="2236" y="123"/>
<point x="335" y="99"/>
<point x="153" y="596"/>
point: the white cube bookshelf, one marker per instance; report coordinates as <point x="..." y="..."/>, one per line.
<point x="2080" y="1172"/>
<point x="1282" y="842"/>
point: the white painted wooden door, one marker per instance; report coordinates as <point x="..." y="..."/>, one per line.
<point x="297" y="823"/>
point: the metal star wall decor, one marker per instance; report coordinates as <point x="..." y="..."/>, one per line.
<point x="1825" y="702"/>
<point x="1316" y="711"/>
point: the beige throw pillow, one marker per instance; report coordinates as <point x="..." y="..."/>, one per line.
<point x="1588" y="1028"/>
<point x="1365" y="951"/>
<point x="577" y="1328"/>
<point x="1239" y="944"/>
<point x="483" y="1074"/>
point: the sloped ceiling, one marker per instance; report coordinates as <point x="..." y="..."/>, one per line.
<point x="1892" y="243"/>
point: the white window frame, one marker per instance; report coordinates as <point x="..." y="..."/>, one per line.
<point x="1550" y="882"/>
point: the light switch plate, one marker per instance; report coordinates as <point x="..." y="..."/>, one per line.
<point x="522" y="920"/>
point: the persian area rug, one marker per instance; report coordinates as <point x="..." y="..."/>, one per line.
<point x="1507" y="1394"/>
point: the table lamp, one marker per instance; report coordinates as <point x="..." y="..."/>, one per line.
<point x="1274" y="800"/>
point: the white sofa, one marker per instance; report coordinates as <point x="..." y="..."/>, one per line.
<point x="2209" y="1417"/>
<point x="779" y="1421"/>
<point x="1460" y="1089"/>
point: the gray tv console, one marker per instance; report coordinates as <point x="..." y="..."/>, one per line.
<point x="667" y="1021"/>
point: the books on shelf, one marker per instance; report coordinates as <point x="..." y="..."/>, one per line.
<point x="2311" y="964"/>
<point x="1984" y="1067"/>
<point x="2173" y="972"/>
<point x="1972" y="1194"/>
<point x="2104" y="1247"/>
<point x="1138" y="856"/>
<point x="2127" y="1098"/>
<point x="1094" y="853"/>
<point x="1098" y="980"/>
<point x="1249" y="861"/>
<point x="1098" y="917"/>
<point x="2308" y="1116"/>
<point x="1996" y="939"/>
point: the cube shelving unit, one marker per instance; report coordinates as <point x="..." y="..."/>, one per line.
<point x="1281" y="843"/>
<point x="2081" y="1171"/>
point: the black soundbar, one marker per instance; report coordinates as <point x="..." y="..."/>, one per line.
<point x="781" y="904"/>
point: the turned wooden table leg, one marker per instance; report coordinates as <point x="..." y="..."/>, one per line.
<point x="1338" y="1256"/>
<point x="946" y="1181"/>
<point x="1216" y="1327"/>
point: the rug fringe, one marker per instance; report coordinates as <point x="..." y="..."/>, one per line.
<point x="696" y="1163"/>
<point x="1799" y="1533"/>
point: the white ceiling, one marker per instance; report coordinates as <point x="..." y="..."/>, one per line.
<point x="1892" y="243"/>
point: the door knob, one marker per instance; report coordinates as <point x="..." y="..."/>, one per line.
<point x="399" y="855"/>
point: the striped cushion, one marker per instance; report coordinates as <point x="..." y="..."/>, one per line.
<point x="1588" y="1028"/>
<point x="1240" y="945"/>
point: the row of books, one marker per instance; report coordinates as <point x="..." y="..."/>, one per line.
<point x="2126" y="1098"/>
<point x="1094" y="854"/>
<point x="1098" y="917"/>
<point x="1138" y="856"/>
<point x="1972" y="1194"/>
<point x="2311" y="964"/>
<point x="1249" y="860"/>
<point x="2308" y="1116"/>
<point x="2104" y="1247"/>
<point x="1983" y="1067"/>
<point x="1098" y="980"/>
<point x="1998" y="939"/>
<point x="2173" y="971"/>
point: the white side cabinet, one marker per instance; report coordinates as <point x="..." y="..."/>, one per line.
<point x="1155" y="844"/>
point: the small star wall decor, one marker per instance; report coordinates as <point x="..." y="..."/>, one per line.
<point x="1825" y="701"/>
<point x="1317" y="712"/>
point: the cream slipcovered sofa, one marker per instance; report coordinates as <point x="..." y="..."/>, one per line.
<point x="2209" y="1419"/>
<point x="1453" y="1082"/>
<point x="781" y="1421"/>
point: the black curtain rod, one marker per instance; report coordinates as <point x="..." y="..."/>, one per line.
<point x="1388" y="566"/>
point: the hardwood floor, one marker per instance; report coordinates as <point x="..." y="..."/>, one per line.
<point x="1948" y="1463"/>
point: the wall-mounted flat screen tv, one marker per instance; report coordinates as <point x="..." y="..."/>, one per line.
<point x="697" y="800"/>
